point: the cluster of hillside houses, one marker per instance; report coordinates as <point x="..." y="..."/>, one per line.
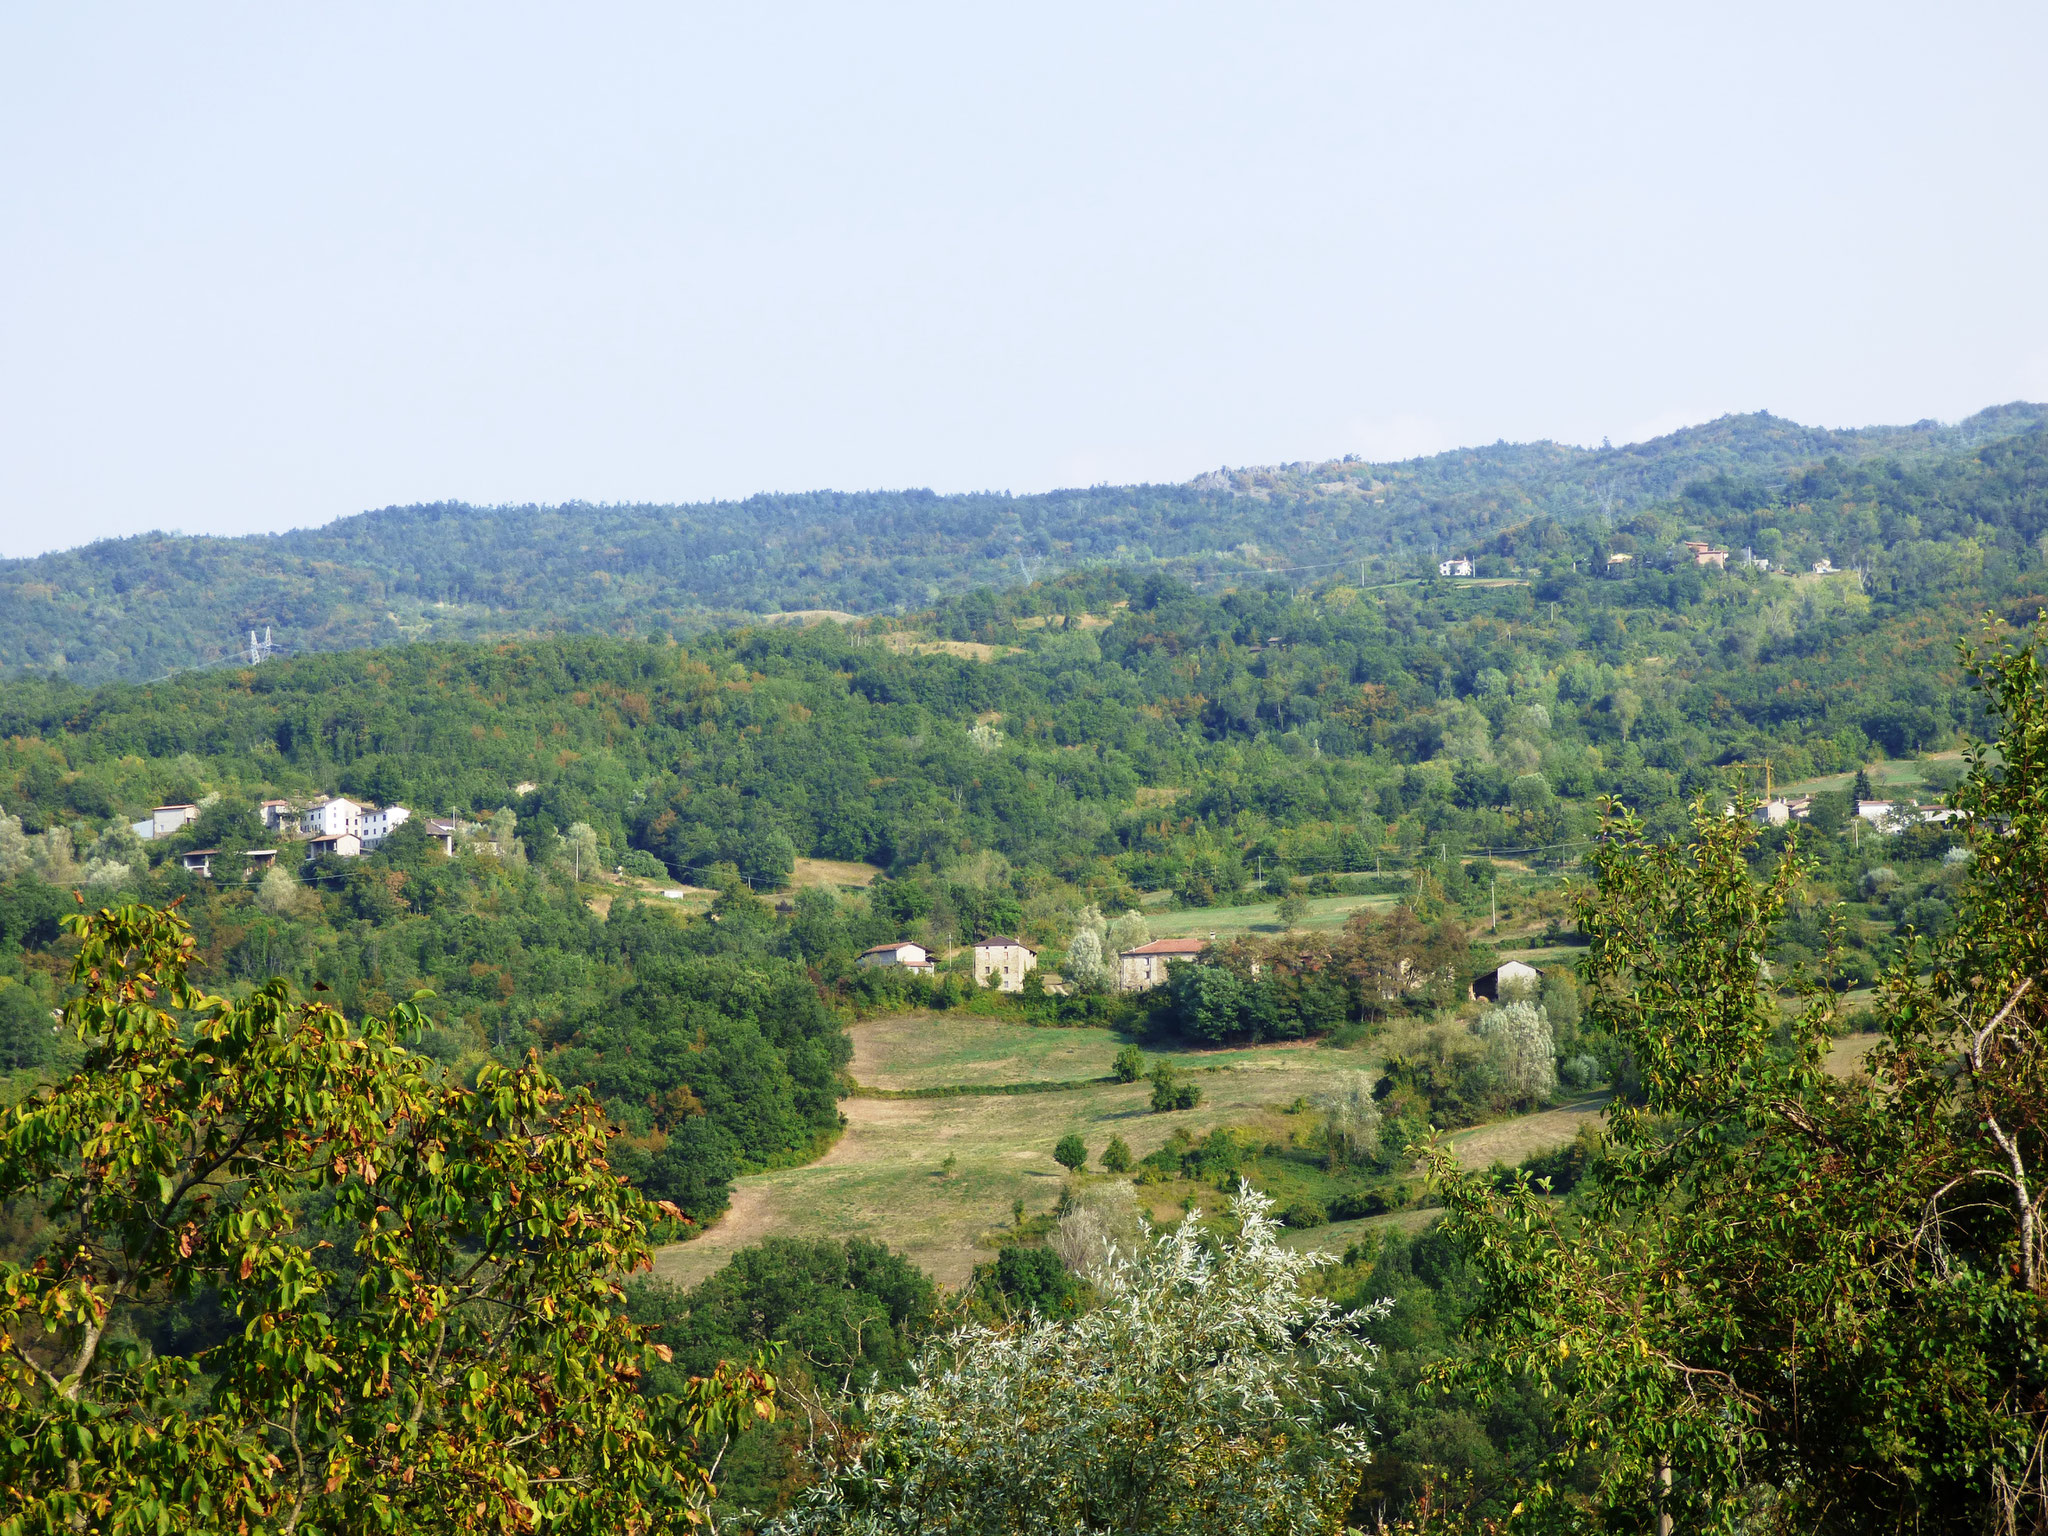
<point x="332" y="826"/>
<point x="1005" y="961"/>
<point x="1882" y="815"/>
<point x="1699" y="550"/>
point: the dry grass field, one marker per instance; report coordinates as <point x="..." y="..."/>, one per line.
<point x="883" y="1179"/>
<point x="836" y="873"/>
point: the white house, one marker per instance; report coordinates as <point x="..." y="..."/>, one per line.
<point x="379" y="822"/>
<point x="278" y="814"/>
<point x="445" y="830"/>
<point x="342" y="845"/>
<point x="200" y="861"/>
<point x="331" y="818"/>
<point x="1876" y="812"/>
<point x="903" y="953"/>
<point x="1823" y="567"/>
<point x="1004" y="958"/>
<point x="1145" y="966"/>
<point x="1457" y="565"/>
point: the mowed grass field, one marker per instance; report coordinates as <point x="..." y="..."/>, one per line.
<point x="1906" y="776"/>
<point x="1229" y="922"/>
<point x="883" y="1178"/>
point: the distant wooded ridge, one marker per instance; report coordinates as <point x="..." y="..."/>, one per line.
<point x="141" y="607"/>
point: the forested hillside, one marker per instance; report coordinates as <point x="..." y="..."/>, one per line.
<point x="1117" y="731"/>
<point x="141" y="607"/>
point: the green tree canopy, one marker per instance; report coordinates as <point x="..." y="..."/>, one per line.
<point x="413" y="1286"/>
<point x="1823" y="1294"/>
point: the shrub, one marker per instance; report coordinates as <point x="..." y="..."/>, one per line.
<point x="1355" y="1203"/>
<point x="1071" y="1153"/>
<point x="1129" y="1065"/>
<point x="638" y="861"/>
<point x="1580" y="1071"/>
<point x="1169" y="1092"/>
<point x="1305" y="1213"/>
<point x="1116" y="1157"/>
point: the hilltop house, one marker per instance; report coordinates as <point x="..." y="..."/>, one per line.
<point x="338" y="816"/>
<point x="1704" y="553"/>
<point x="902" y="953"/>
<point x="1143" y="967"/>
<point x="1004" y="958"/>
<point x="379" y="822"/>
<point x="1458" y="565"/>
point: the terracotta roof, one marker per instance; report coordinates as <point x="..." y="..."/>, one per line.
<point x="1003" y="941"/>
<point x="1170" y="947"/>
<point x="890" y="949"/>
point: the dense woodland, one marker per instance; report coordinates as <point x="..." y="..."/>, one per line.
<point x="138" y="608"/>
<point x="1041" y="758"/>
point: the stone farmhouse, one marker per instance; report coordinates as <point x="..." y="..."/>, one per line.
<point x="1004" y="958"/>
<point x="1143" y="967"/>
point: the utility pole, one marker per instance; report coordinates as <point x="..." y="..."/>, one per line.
<point x="1493" y="902"/>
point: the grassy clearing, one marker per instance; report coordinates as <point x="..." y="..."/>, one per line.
<point x="1845" y="1056"/>
<point x="938" y="1050"/>
<point x="832" y="873"/>
<point x="1339" y="1235"/>
<point x="1541" y="954"/>
<point x="1903" y="776"/>
<point x="1229" y="922"/>
<point x="883" y="1179"/>
<point x="1516" y="1141"/>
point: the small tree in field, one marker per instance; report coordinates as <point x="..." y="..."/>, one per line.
<point x="1116" y="1157"/>
<point x="1071" y="1153"/>
<point x="1129" y="1065"/>
<point x="1209" y="1395"/>
<point x="416" y="1283"/>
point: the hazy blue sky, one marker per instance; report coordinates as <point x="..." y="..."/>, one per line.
<point x="263" y="266"/>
